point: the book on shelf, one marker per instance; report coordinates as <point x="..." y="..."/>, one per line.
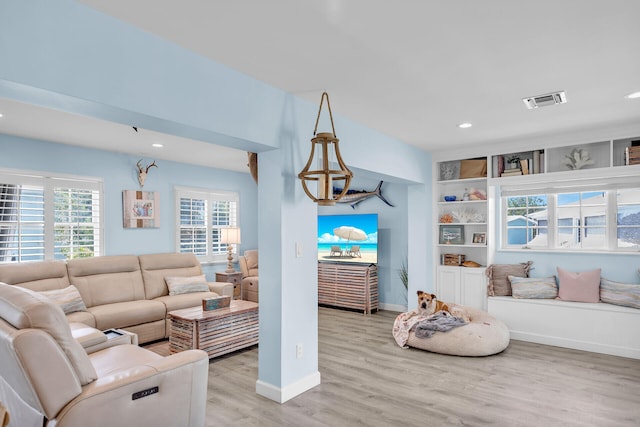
<point x="511" y="172"/>
<point x="536" y="161"/>
<point x="500" y="165"/>
<point x="632" y="155"/>
<point x="524" y="166"/>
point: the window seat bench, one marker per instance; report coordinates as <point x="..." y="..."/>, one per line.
<point x="597" y="327"/>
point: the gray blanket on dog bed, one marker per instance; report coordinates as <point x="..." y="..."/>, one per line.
<point x="438" y="322"/>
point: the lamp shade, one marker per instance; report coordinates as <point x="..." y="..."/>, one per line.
<point x="230" y="235"/>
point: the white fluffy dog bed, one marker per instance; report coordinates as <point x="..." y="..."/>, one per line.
<point x="482" y="336"/>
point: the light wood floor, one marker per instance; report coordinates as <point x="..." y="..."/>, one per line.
<point x="368" y="380"/>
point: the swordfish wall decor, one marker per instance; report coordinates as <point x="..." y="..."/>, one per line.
<point x="354" y="197"/>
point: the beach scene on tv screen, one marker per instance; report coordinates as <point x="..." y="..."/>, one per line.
<point x="348" y="238"/>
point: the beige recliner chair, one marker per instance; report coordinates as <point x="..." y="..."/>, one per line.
<point x="249" y="268"/>
<point x="47" y="378"/>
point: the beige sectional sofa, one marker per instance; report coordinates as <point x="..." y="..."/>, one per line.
<point x="121" y="291"/>
<point x="249" y="268"/>
<point x="48" y="379"/>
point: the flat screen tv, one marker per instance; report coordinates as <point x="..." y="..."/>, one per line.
<point x="348" y="238"/>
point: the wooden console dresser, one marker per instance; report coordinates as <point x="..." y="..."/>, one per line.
<point x="345" y="285"/>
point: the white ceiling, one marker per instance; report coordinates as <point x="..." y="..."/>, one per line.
<point x="416" y="69"/>
<point x="31" y="121"/>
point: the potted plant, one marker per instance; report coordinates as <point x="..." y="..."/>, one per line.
<point x="514" y="161"/>
<point x="404" y="278"/>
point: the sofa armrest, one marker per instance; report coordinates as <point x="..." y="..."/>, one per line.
<point x="221" y="288"/>
<point x="86" y="335"/>
<point x="143" y="390"/>
<point x="92" y="339"/>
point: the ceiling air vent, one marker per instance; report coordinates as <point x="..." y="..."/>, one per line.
<point x="544" y="100"/>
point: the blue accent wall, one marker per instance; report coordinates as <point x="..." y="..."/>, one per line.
<point x="118" y="172"/>
<point x="62" y="54"/>
<point x="392" y="233"/>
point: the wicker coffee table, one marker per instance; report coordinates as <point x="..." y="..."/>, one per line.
<point x="218" y="331"/>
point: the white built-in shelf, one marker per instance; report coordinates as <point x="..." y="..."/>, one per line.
<point x="456" y="202"/>
<point x="462" y="223"/>
<point x="464" y="180"/>
<point x="598" y="155"/>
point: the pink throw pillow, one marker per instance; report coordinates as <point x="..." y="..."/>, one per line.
<point x="580" y="287"/>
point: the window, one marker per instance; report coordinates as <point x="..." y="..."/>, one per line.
<point x="526" y="220"/>
<point x="628" y="218"/>
<point x="46" y="218"/>
<point x="200" y="216"/>
<point x="577" y="220"/>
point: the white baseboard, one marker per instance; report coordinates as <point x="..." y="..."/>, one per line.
<point x="393" y="307"/>
<point x="596" y="327"/>
<point x="593" y="347"/>
<point x="281" y="395"/>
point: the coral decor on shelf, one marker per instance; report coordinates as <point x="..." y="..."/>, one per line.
<point x="446" y="219"/>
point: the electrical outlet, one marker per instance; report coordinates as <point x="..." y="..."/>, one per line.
<point x="298" y="351"/>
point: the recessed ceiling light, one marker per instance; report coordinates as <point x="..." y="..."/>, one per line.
<point x="634" y="95"/>
<point x="464" y="125"/>
<point x="157" y="145"/>
<point x="0" y="114"/>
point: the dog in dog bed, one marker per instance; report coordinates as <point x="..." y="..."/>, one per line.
<point x="429" y="304"/>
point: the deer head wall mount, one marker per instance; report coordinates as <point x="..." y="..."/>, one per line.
<point x="143" y="171"/>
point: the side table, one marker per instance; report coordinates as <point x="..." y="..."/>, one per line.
<point x="235" y="278"/>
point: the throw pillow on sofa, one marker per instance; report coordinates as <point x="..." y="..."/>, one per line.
<point x="617" y="293"/>
<point x="186" y="285"/>
<point x="580" y="287"/>
<point x="498" y="275"/>
<point x="534" y="287"/>
<point x="69" y="299"/>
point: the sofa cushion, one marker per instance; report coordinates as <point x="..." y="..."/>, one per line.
<point x="499" y="284"/>
<point x="155" y="267"/>
<point x="617" y="293"/>
<point x="252" y="260"/>
<point x="178" y="302"/>
<point x="534" y="287"/>
<point x="186" y="285"/>
<point x="107" y="279"/>
<point x="37" y="276"/>
<point x="25" y="309"/>
<point x="579" y="287"/>
<point x="128" y="313"/>
<point x="82" y="317"/>
<point x="68" y="299"/>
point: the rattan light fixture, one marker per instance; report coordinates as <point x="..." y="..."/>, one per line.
<point x="324" y="154"/>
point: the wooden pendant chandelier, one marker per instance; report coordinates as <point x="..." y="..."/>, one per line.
<point x="325" y="153"/>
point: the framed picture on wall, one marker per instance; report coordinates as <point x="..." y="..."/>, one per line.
<point x="452" y="234"/>
<point x="140" y="209"/>
<point x="480" y="238"/>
